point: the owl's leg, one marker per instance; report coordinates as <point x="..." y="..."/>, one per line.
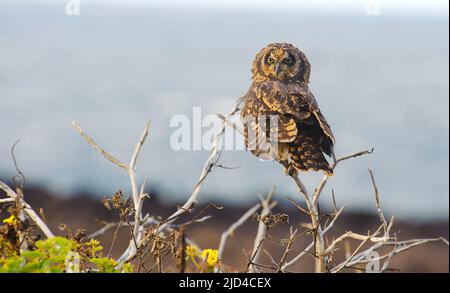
<point x="283" y="158"/>
<point x="289" y="169"/>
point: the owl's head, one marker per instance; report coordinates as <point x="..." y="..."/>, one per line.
<point x="281" y="61"/>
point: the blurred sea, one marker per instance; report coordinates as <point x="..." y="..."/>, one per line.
<point x="381" y="82"/>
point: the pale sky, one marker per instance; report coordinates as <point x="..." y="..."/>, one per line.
<point x="387" y="7"/>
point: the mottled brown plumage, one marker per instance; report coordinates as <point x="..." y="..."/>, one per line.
<point x="281" y="116"/>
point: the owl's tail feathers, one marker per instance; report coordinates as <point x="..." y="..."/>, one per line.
<point x="306" y="155"/>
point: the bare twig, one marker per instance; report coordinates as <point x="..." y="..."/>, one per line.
<point x="355" y="252"/>
<point x="390" y="256"/>
<point x="269" y="256"/>
<point x="230" y="231"/>
<point x="310" y="246"/>
<point x="366" y="256"/>
<point x="18" y="184"/>
<point x="326" y="177"/>
<point x="313" y="207"/>
<point x="378" y="205"/>
<point x="298" y="206"/>
<point x="21" y="175"/>
<point x="6" y="200"/>
<point x="334" y="201"/>
<point x="291" y="239"/>
<point x="231" y="124"/>
<point x="137" y="195"/>
<point x="90" y="141"/>
<point x="28" y="210"/>
<point x="361" y="258"/>
<point x="262" y="230"/>
<point x="356" y="236"/>
<point x="212" y="160"/>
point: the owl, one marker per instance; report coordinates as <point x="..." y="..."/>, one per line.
<point x="282" y="120"/>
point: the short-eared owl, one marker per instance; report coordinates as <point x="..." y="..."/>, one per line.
<point x="281" y="116"/>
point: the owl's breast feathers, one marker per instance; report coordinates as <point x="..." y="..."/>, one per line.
<point x="301" y="125"/>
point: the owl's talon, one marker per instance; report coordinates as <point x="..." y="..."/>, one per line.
<point x="290" y="170"/>
<point x="293" y="172"/>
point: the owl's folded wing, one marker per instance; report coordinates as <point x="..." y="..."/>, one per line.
<point x="294" y="101"/>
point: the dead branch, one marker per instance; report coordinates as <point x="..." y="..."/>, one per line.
<point x="356" y="236"/>
<point x="358" y="257"/>
<point x="90" y="141"/>
<point x="137" y="195"/>
<point x="326" y="177"/>
<point x="213" y="158"/>
<point x="292" y="234"/>
<point x="311" y="245"/>
<point x="6" y="200"/>
<point x="231" y="124"/>
<point x="28" y="210"/>
<point x="262" y="231"/>
<point x="319" y="243"/>
<point x="361" y="258"/>
<point x="378" y="205"/>
<point x="356" y="251"/>
<point x="138" y="199"/>
<point x="230" y="231"/>
<point x="312" y="203"/>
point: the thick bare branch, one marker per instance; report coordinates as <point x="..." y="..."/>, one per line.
<point x="313" y="211"/>
<point x="138" y="197"/>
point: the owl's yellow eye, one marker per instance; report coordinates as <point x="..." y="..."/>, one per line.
<point x="270" y="60"/>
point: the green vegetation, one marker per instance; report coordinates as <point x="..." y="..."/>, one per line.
<point x="53" y="255"/>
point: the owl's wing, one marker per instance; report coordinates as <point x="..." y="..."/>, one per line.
<point x="259" y="118"/>
<point x="296" y="101"/>
<point x="258" y="137"/>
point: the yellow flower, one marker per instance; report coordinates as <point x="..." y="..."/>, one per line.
<point x="93" y="242"/>
<point x="212" y="256"/>
<point x="94" y="246"/>
<point x="11" y="220"/>
<point x="191" y="251"/>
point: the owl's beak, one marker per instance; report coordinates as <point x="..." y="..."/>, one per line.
<point x="277" y="68"/>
